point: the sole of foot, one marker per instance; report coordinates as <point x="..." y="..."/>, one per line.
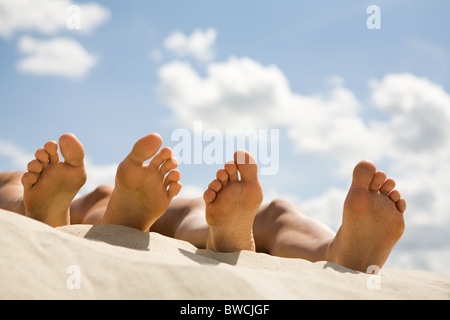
<point x="143" y="192"/>
<point x="372" y="222"/>
<point x="232" y="203"/>
<point x="51" y="184"/>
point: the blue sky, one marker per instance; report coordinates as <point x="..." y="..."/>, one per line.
<point x="336" y="91"/>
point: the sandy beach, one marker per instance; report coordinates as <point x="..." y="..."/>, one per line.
<point x="117" y="262"/>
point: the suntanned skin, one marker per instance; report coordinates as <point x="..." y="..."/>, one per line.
<point x="232" y="203"/>
<point x="143" y="192"/>
<point x="51" y="184"/>
<point x="230" y="216"/>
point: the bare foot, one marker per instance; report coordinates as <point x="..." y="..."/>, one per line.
<point x="50" y="184"/>
<point x="372" y="221"/>
<point x="143" y="192"/>
<point x="231" y="205"/>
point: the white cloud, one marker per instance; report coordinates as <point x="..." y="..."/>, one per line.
<point x="58" y="57"/>
<point x="243" y="93"/>
<point x="47" y="16"/>
<point x="199" y="45"/>
<point x="331" y="124"/>
<point x="240" y="86"/>
<point x="419" y="111"/>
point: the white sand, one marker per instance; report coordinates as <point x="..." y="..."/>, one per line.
<point x="116" y="262"/>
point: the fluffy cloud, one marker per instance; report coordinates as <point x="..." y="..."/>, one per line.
<point x="58" y="57"/>
<point x="47" y="16"/>
<point x="331" y="124"/>
<point x="199" y="45"/>
<point x="236" y="86"/>
<point x="419" y="112"/>
<point x="243" y="93"/>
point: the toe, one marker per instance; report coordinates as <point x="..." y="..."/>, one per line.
<point x="52" y="149"/>
<point x="174" y="175"/>
<point x="71" y="149"/>
<point x="215" y="185"/>
<point x="222" y="176"/>
<point x="42" y="156"/>
<point x="174" y="189"/>
<point x="246" y="164"/>
<point x="394" y="196"/>
<point x="363" y="174"/>
<point x="209" y="196"/>
<point x="145" y="148"/>
<point x="387" y="186"/>
<point x="29" y="179"/>
<point x="232" y="171"/>
<point x="401" y="205"/>
<point x="168" y="165"/>
<point x="377" y="181"/>
<point x="35" y="166"/>
<point x="165" y="154"/>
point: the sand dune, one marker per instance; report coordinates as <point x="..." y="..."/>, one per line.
<point x="117" y="262"/>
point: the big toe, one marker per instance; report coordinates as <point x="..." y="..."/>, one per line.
<point x="246" y="165"/>
<point x="145" y="148"/>
<point x="71" y="149"/>
<point x="363" y="174"/>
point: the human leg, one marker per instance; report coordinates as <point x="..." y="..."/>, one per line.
<point x="282" y="229"/>
<point x="90" y="208"/>
<point x="11" y="192"/>
<point x="184" y="220"/>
